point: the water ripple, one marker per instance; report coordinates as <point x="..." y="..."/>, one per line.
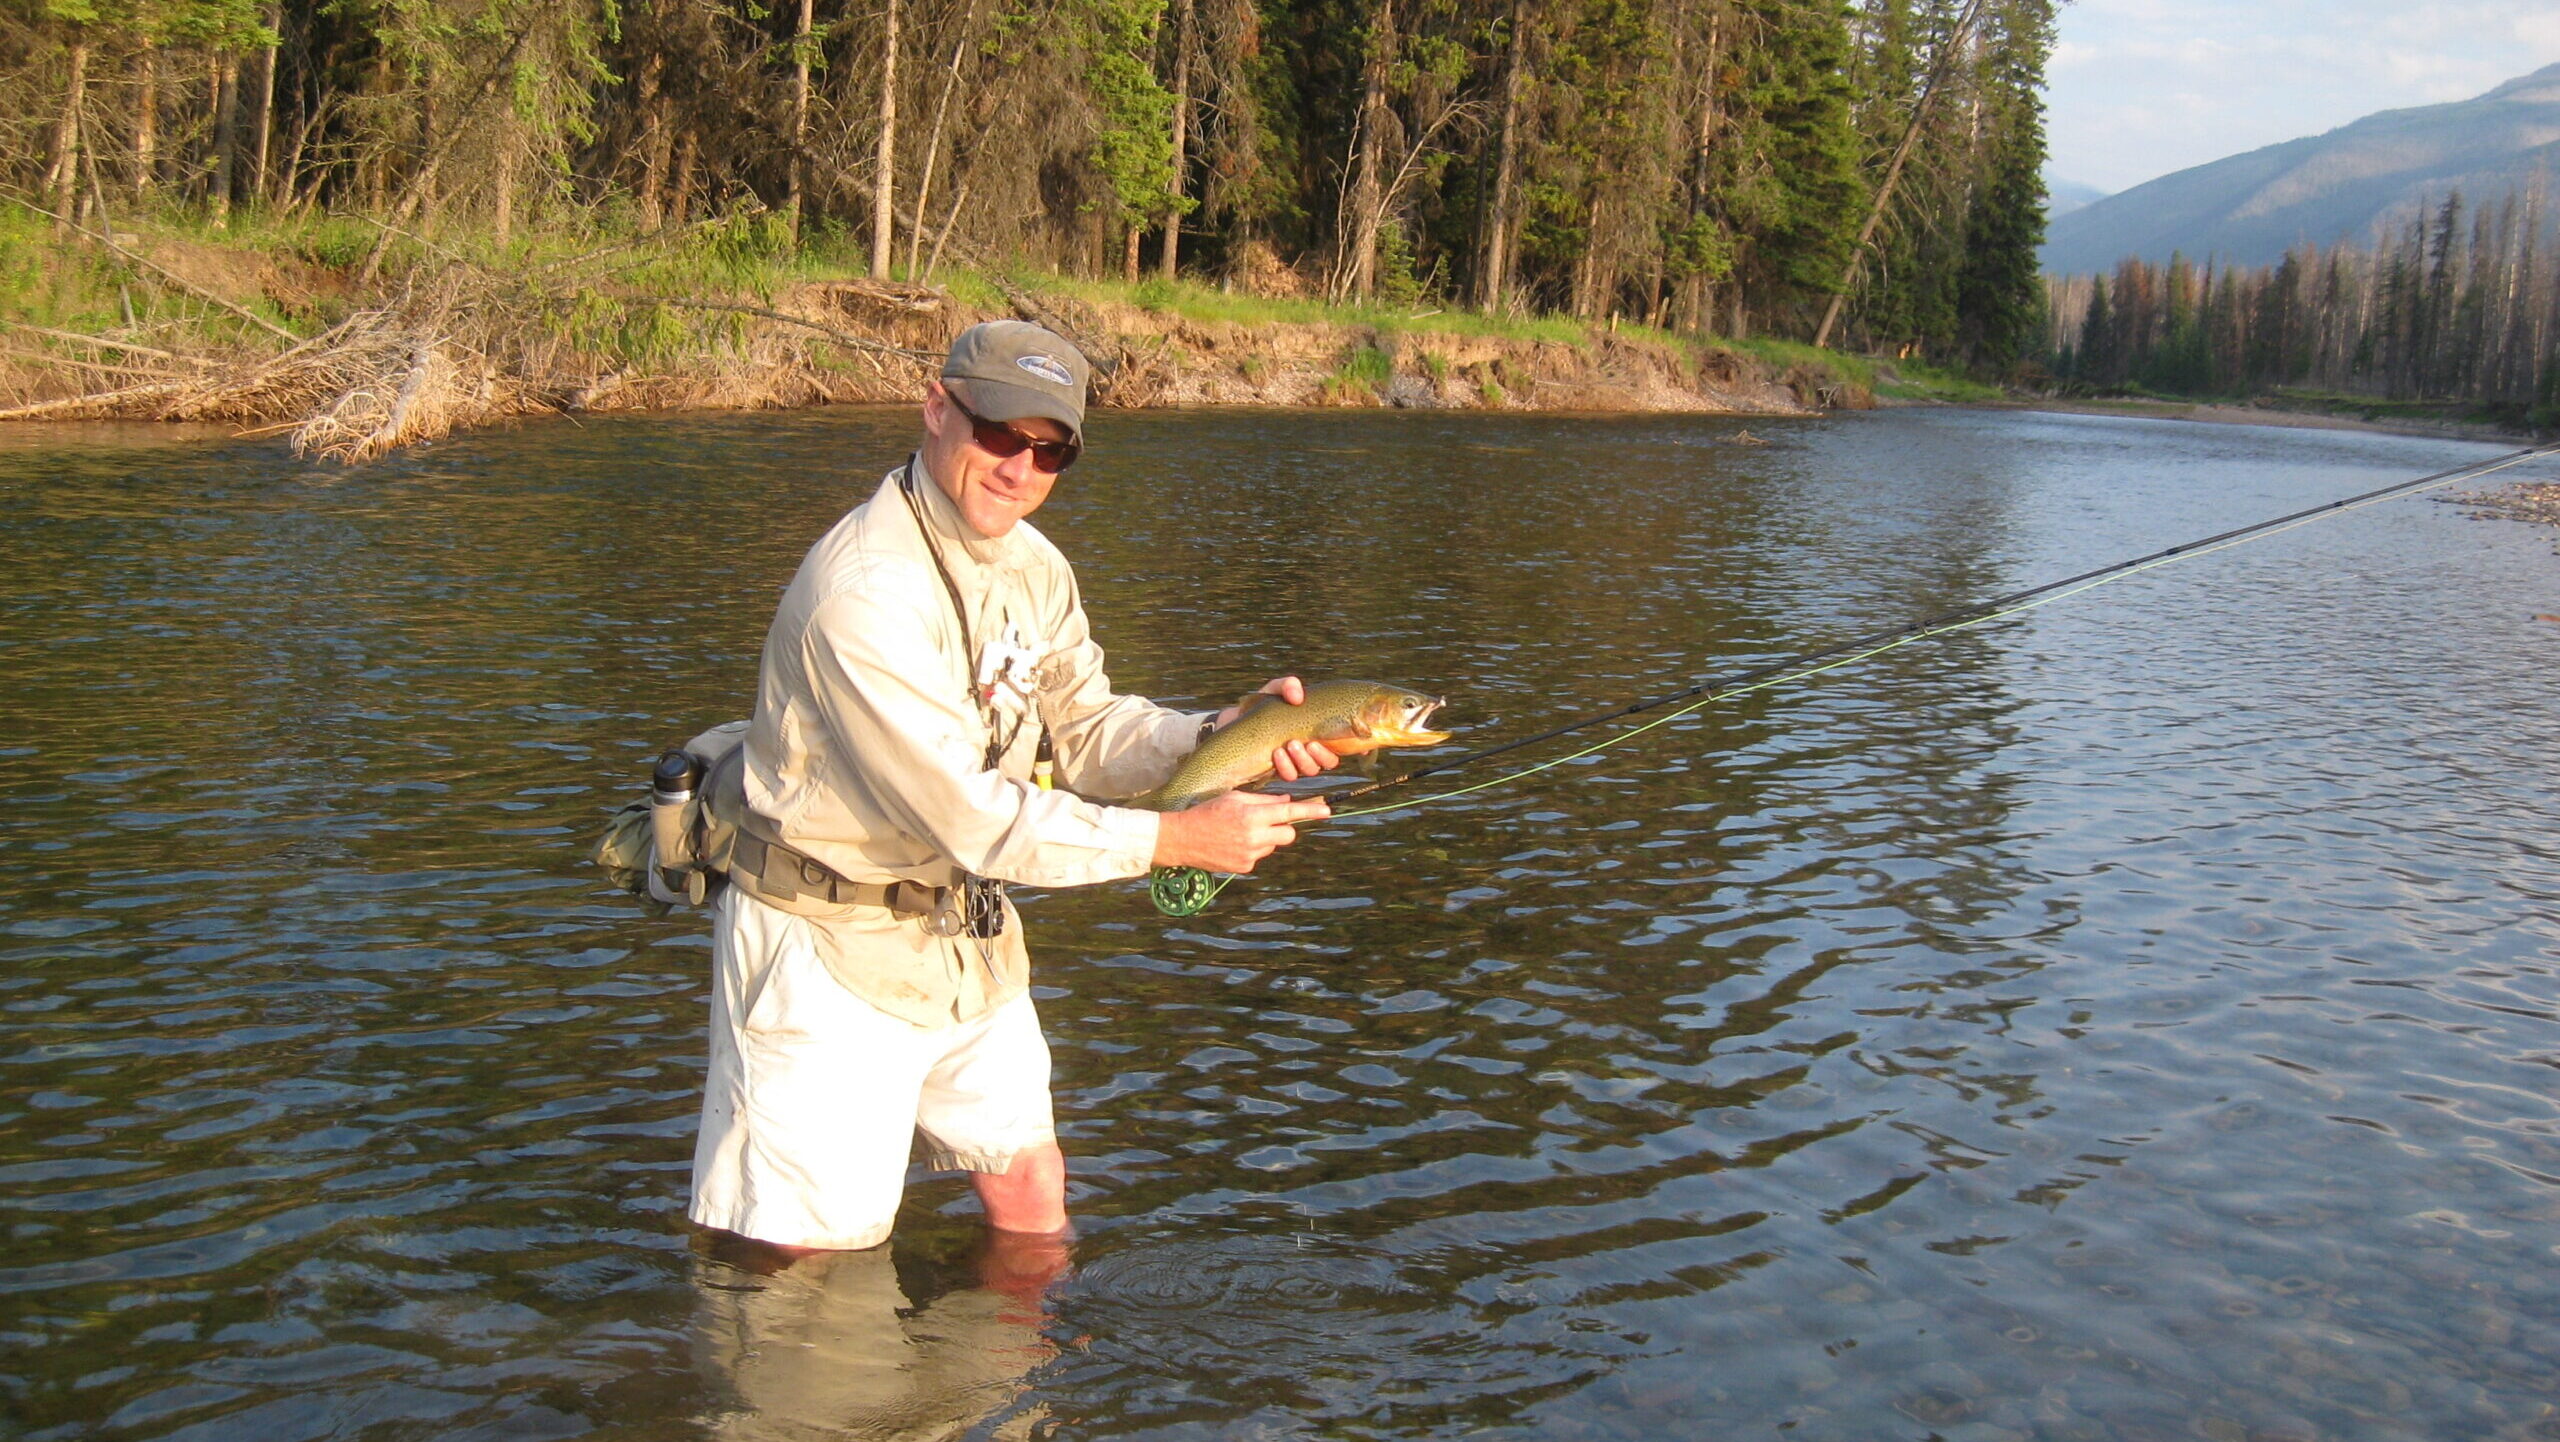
<point x="2138" y="1019"/>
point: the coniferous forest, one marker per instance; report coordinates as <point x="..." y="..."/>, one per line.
<point x="2461" y="306"/>
<point x="1860" y="175"/>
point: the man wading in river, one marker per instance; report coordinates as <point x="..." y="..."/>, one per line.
<point x="871" y="979"/>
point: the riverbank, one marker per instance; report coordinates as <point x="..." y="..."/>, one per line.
<point x="356" y="340"/>
<point x="2375" y="418"/>
<point x="2532" y="502"/>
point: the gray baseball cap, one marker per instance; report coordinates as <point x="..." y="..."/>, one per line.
<point x="1011" y="370"/>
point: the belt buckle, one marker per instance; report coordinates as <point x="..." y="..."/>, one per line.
<point x="948" y="919"/>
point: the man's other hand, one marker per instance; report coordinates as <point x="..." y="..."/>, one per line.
<point x="1229" y="833"/>
<point x="1297" y="760"/>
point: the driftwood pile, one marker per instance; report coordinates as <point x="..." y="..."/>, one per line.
<point x="379" y="379"/>
<point x="459" y="346"/>
<point x="462" y="346"/>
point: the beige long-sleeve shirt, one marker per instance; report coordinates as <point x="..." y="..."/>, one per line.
<point x="868" y="752"/>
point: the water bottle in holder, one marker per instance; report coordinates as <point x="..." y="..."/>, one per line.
<point x="671" y="788"/>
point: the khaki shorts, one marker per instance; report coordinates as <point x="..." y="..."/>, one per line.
<point x="814" y="1096"/>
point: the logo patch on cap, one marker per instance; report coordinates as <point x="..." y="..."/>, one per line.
<point x="1046" y="368"/>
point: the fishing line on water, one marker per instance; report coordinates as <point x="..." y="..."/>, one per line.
<point x="1183" y="891"/>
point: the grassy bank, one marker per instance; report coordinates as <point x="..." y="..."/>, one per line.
<point x="359" y="339"/>
<point x="2444" y="420"/>
<point x="2310" y="405"/>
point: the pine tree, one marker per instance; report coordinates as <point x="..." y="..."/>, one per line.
<point x="1999" y="300"/>
<point x="2096" y="352"/>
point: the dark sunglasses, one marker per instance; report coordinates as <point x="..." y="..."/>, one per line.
<point x="1003" y="442"/>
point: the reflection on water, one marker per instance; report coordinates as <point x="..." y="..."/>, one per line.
<point x="830" y="1345"/>
<point x="2134" y="1020"/>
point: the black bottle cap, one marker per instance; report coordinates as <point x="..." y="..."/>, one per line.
<point x="675" y="772"/>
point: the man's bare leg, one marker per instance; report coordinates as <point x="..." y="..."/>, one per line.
<point x="1028" y="1196"/>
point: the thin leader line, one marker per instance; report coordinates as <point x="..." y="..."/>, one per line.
<point x="2017" y="604"/>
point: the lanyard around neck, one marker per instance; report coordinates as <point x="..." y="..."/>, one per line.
<point x="984" y="703"/>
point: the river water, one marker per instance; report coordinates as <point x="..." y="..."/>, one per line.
<point x="2131" y="1020"/>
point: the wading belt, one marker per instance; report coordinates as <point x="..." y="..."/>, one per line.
<point x="777" y="872"/>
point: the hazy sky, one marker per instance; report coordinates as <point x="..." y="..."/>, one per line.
<point x="2140" y="88"/>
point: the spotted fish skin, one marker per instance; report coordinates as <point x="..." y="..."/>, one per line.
<point x="1352" y="718"/>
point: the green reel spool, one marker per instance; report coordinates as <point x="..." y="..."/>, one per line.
<point x="1184" y="890"/>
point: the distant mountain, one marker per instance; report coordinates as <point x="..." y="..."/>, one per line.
<point x="2061" y="197"/>
<point x="2374" y="173"/>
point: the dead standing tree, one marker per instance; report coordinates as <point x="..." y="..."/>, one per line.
<point x="1941" y="69"/>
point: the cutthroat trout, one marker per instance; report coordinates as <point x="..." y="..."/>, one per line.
<point x="1351" y="717"/>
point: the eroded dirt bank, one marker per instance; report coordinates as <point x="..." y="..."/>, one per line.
<point x="468" y="347"/>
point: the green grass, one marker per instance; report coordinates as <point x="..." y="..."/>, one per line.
<point x="2383" y="411"/>
<point x="35" y="287"/>
<point x="603" y="288"/>
<point x="1193" y="301"/>
<point x="1364" y="374"/>
<point x="1779" y="356"/>
<point x="82" y="287"/>
<point x="1918" y="381"/>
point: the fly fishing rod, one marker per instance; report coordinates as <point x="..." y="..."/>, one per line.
<point x="1185" y="892"/>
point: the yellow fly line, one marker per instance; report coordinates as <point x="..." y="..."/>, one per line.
<point x="1185" y="892"/>
<point x="2153" y="563"/>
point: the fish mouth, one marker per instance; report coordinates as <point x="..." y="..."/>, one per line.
<point x="1413" y="729"/>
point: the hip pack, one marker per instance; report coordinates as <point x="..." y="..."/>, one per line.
<point x="693" y="833"/>
<point x="673" y="845"/>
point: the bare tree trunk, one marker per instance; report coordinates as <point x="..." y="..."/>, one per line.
<point x="933" y="140"/>
<point x="1129" y="262"/>
<point x="264" y="130"/>
<point x="376" y="166"/>
<point x="1368" y="185"/>
<point x="96" y="202"/>
<point x="62" y="172"/>
<point x="146" y="125"/>
<point x="799" y="171"/>
<point x="1586" y="266"/>
<point x="503" y="205"/>
<point x="1697" y="293"/>
<point x="226" y="134"/>
<point x="679" y="203"/>
<point x="420" y="198"/>
<point x="1945" y="62"/>
<point x="296" y="196"/>
<point x="1493" y="273"/>
<point x="884" y="181"/>
<point x="943" y="237"/>
<point x="1184" y="29"/>
<point x="654" y="141"/>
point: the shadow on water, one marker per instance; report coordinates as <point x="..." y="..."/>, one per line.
<point x="2134" y="1020"/>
